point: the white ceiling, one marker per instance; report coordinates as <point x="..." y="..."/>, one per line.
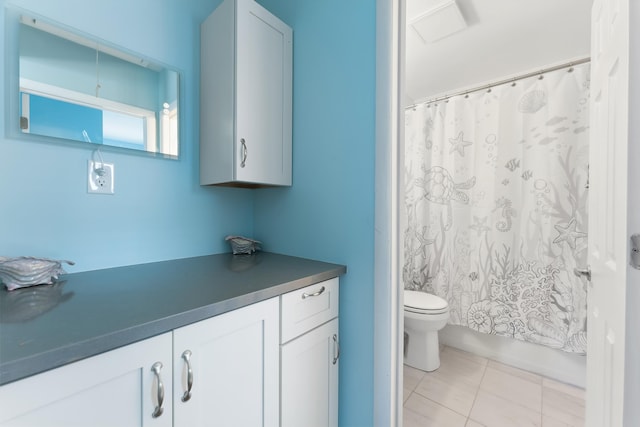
<point x="504" y="38"/>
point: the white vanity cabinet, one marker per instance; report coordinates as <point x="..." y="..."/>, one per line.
<point x="117" y="388"/>
<point x="309" y="356"/>
<point x="267" y="364"/>
<point x="233" y="359"/>
<point x="234" y="363"/>
<point x="245" y="97"/>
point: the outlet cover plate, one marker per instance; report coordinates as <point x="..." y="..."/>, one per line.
<point x="100" y="178"/>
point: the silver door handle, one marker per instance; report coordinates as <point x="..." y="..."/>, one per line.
<point x="187" y="359"/>
<point x="336" y="349"/>
<point x="635" y="251"/>
<point x="244" y="152"/>
<point x="583" y="273"/>
<point x="315" y="294"/>
<point x="156" y="368"/>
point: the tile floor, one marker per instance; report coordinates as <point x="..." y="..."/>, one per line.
<point x="472" y="391"/>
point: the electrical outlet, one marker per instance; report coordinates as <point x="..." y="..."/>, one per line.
<point x="101" y="178"/>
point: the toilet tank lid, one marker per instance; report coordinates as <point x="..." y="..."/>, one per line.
<point x="424" y="301"/>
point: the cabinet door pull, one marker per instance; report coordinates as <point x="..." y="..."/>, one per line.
<point x="159" y="409"/>
<point x="187" y="359"/>
<point x="315" y="294"/>
<point x="244" y="152"/>
<point x="336" y="349"/>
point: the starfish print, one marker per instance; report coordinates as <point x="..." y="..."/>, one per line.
<point x="480" y="225"/>
<point x="569" y="234"/>
<point x="424" y="241"/>
<point x="458" y="143"/>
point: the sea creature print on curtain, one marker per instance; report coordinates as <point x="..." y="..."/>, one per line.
<point x="495" y="214"/>
<point x="438" y="187"/>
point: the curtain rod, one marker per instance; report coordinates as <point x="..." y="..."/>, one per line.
<point x="501" y="82"/>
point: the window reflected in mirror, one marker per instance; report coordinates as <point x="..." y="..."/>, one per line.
<point x="73" y="88"/>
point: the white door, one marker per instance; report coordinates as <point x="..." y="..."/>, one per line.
<point x="608" y="213"/>
<point x="263" y="92"/>
<point x="116" y="388"/>
<point x="234" y="366"/>
<point x="309" y="385"/>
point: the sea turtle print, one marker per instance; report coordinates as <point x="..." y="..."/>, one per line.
<point x="438" y="187"/>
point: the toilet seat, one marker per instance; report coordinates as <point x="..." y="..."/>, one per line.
<point x="424" y="303"/>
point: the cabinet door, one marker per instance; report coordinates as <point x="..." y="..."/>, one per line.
<point x="117" y="388"/>
<point x="234" y="366"/>
<point x="309" y="386"/>
<point x="263" y="96"/>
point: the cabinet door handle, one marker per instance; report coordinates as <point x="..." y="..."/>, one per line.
<point x="336" y="349"/>
<point x="187" y="359"/>
<point x="156" y="368"/>
<point x="315" y="294"/>
<point x="244" y="152"/>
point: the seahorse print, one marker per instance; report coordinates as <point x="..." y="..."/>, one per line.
<point x="507" y="213"/>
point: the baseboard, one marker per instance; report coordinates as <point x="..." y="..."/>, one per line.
<point x="556" y="364"/>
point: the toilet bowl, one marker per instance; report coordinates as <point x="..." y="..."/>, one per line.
<point x="424" y="315"/>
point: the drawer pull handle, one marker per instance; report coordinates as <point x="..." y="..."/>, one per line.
<point x="156" y="367"/>
<point x="315" y="294"/>
<point x="187" y="359"/>
<point x="336" y="349"/>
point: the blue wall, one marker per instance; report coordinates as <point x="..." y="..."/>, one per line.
<point x="328" y="212"/>
<point x="159" y="210"/>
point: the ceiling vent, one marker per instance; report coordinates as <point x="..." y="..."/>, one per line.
<point x="439" y="22"/>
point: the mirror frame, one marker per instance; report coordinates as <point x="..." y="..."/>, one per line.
<point x="11" y="34"/>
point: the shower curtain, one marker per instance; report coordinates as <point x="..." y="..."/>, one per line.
<point x="496" y="187"/>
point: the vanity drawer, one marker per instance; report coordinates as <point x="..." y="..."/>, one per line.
<point x="306" y="308"/>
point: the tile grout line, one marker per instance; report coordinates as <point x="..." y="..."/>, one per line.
<point x="484" y="372"/>
<point x="541" y="399"/>
<point x="425" y="375"/>
<point x="413" y="389"/>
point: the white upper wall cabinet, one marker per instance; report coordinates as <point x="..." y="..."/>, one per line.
<point x="245" y="97"/>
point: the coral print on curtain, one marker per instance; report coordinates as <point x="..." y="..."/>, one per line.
<point x="496" y="207"/>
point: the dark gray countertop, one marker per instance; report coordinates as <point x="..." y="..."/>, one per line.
<point x="88" y="313"/>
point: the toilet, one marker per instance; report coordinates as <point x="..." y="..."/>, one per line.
<point x="424" y="315"/>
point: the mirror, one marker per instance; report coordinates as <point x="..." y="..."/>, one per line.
<point x="77" y="89"/>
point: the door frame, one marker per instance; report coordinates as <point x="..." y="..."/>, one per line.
<point x="388" y="296"/>
<point x="388" y="301"/>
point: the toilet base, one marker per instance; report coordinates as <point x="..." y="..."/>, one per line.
<point x="422" y="350"/>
